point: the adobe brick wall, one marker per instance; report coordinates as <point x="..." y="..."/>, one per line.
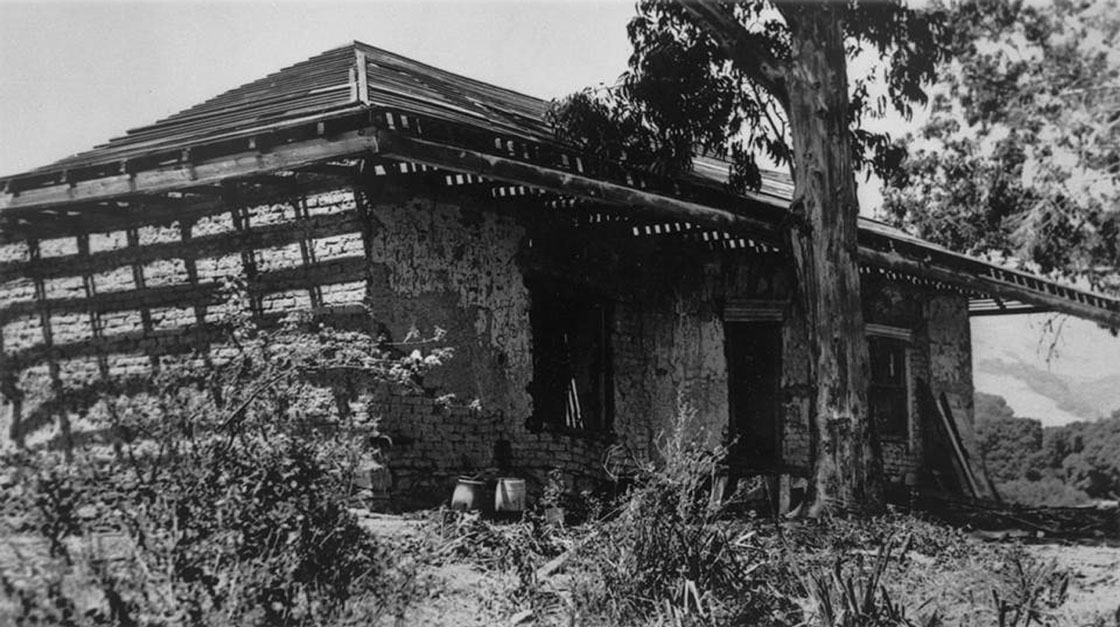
<point x="116" y="303"/>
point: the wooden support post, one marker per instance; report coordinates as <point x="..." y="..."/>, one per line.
<point x="54" y="371"/>
<point x="307" y="247"/>
<point x="363" y="203"/>
<point x="94" y="315"/>
<point x="133" y="236"/>
<point x="240" y="217"/>
<point x="783" y="494"/>
<point x="8" y="391"/>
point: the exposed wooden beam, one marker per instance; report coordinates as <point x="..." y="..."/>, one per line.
<point x="197" y="247"/>
<point x="341" y="173"/>
<point x="503" y="168"/>
<point x="16" y="225"/>
<point x="186" y="176"/>
<point x="394" y="145"/>
<point x="993" y="287"/>
<point x="1010" y="311"/>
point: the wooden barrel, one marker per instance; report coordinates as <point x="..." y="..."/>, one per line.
<point x="510" y="495"/>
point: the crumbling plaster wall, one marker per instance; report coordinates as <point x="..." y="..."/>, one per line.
<point x="669" y="355"/>
<point x="436" y="265"/>
<point x="950" y="346"/>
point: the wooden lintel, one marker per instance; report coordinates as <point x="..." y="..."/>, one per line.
<point x="179" y="176"/>
<point x="991" y="286"/>
<point x="457" y="159"/>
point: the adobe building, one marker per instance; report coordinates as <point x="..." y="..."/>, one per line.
<point x="581" y="297"/>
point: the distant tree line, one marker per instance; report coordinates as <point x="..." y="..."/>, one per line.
<point x="1071" y="464"/>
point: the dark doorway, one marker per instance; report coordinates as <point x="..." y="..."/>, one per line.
<point x="754" y="363"/>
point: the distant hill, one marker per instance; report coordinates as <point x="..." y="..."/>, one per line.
<point x="1073" y="399"/>
<point x="1074" y="375"/>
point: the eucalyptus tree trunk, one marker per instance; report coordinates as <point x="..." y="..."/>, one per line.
<point x="848" y="465"/>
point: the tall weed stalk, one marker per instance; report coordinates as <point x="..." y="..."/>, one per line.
<point x="668" y="556"/>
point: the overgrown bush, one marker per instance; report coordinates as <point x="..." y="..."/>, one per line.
<point x="670" y="557"/>
<point x="224" y="488"/>
<point x="1045" y="492"/>
<point x="667" y="554"/>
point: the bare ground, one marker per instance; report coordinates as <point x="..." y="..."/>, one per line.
<point x="1094" y="592"/>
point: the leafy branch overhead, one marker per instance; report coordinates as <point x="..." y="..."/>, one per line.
<point x="714" y="78"/>
<point x="1021" y="155"/>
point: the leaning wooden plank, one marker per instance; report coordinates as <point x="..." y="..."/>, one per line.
<point x="958" y="442"/>
<point x="960" y="457"/>
<point x="945" y="458"/>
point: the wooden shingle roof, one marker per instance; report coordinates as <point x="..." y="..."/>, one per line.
<point x="339" y="81"/>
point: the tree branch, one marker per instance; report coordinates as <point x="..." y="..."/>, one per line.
<point x="746" y="50"/>
<point x="778" y="130"/>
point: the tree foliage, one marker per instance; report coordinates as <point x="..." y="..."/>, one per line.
<point x="1020" y="157"/>
<point x="1008" y="445"/>
<point x="767" y="82"/>
<point x="1059" y="465"/>
<point x="689" y="89"/>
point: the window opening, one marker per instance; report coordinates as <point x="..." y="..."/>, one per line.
<point x="572" y="387"/>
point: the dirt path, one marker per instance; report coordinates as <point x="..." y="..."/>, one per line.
<point x="1095" y="585"/>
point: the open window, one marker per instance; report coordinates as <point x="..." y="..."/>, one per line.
<point x="572" y="388"/>
<point x="888" y="393"/>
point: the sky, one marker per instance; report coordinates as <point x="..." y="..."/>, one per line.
<point x="73" y="75"/>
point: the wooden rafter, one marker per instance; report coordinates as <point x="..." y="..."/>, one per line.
<point x="1069" y="304"/>
<point x="187" y="175"/>
<point x="516" y="171"/>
